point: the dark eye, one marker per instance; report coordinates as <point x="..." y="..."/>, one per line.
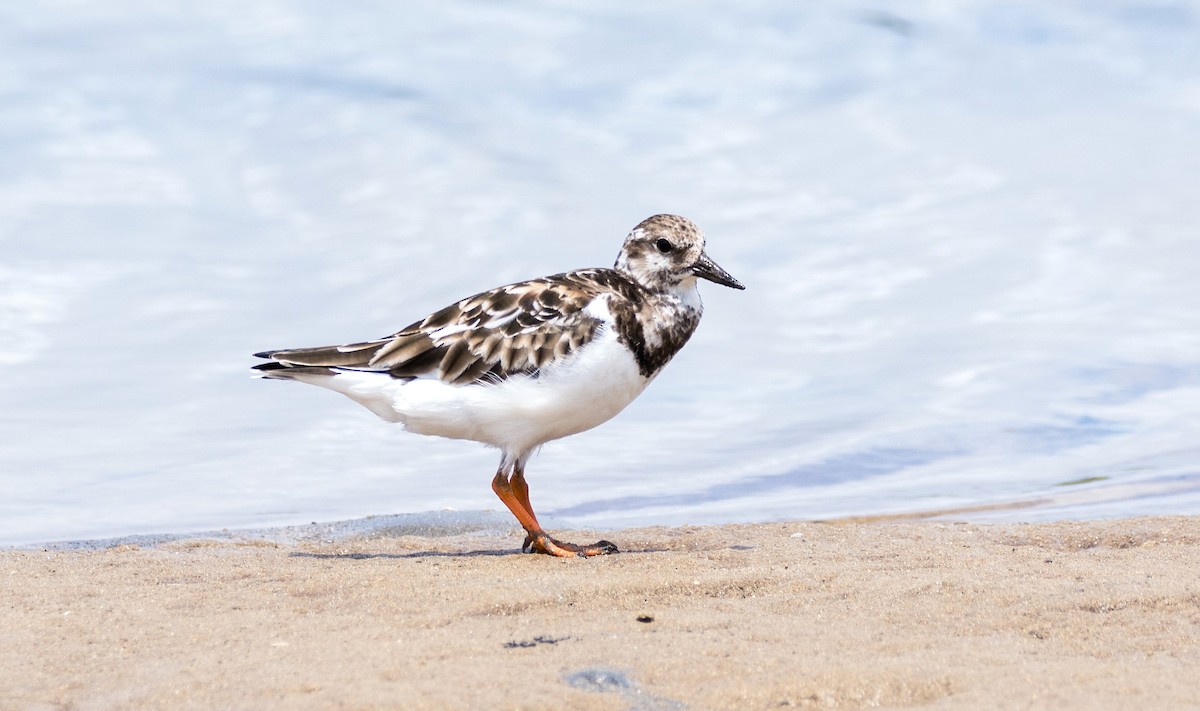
<point x="664" y="246"/>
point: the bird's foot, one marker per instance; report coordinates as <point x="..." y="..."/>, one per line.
<point x="541" y="542"/>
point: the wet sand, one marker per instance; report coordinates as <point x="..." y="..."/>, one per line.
<point x="1092" y="615"/>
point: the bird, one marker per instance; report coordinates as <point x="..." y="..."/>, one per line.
<point x="531" y="362"/>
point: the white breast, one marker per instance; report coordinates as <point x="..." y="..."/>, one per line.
<point x="518" y="414"/>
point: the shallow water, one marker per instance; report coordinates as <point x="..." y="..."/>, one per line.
<point x="968" y="235"/>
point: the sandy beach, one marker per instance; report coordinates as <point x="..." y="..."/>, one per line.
<point x="809" y="615"/>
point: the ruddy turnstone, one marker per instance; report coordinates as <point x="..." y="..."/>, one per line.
<point x="531" y="362"/>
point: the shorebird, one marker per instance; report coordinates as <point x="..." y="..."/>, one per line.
<point x="527" y="363"/>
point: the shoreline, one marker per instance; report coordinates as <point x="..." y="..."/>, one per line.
<point x="1066" y="504"/>
<point x="840" y="614"/>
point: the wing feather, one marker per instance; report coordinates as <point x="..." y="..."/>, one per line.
<point x="493" y="335"/>
<point x="400" y="349"/>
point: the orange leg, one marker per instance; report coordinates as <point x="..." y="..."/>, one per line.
<point x="521" y="490"/>
<point x="514" y="492"/>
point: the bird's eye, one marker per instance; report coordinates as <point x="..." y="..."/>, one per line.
<point x="664" y="246"/>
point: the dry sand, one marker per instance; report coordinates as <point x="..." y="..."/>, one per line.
<point x="853" y="615"/>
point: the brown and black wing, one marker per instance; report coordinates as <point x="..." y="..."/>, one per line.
<point x="490" y="336"/>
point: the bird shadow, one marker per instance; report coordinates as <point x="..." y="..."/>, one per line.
<point x="443" y="554"/>
<point x="400" y="556"/>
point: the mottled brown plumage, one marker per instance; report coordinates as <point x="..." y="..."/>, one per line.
<point x="493" y="335"/>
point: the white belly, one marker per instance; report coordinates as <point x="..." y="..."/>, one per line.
<point x="516" y="415"/>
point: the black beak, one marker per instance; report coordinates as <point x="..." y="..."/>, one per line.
<point x="706" y="268"/>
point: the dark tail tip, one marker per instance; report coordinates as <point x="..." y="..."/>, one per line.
<point x="269" y="366"/>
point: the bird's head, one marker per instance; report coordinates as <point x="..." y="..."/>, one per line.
<point x="667" y="252"/>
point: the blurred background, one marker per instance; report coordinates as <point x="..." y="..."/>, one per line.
<point x="969" y="232"/>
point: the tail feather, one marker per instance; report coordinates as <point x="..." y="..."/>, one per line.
<point x="372" y="389"/>
<point x="282" y="371"/>
<point x="353" y="355"/>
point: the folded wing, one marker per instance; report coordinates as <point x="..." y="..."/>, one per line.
<point x="487" y="337"/>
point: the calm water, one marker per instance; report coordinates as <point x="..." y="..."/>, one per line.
<point x="968" y="232"/>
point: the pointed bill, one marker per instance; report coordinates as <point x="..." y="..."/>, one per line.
<point x="706" y="268"/>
